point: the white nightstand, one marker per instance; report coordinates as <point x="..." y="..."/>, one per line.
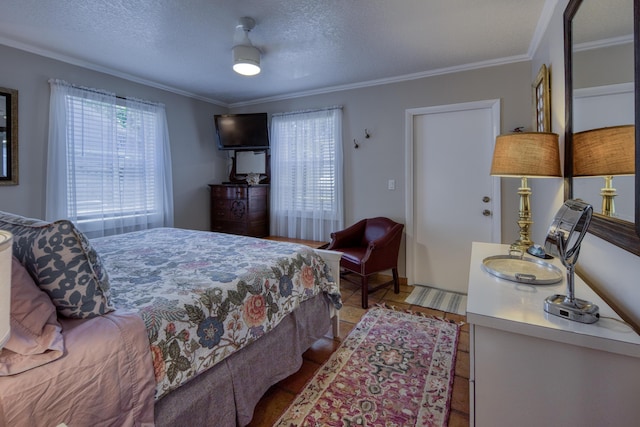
<point x="530" y="368"/>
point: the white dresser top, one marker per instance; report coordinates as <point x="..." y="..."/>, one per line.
<point x="518" y="308"/>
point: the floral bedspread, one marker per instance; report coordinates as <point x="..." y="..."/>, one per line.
<point x="205" y="295"/>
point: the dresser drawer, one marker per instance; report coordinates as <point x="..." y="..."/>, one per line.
<point x="258" y="191"/>
<point x="229" y="210"/>
<point x="230" y="227"/>
<point x="240" y="209"/>
<point x="228" y="192"/>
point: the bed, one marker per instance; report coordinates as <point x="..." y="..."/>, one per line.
<point x="165" y="326"/>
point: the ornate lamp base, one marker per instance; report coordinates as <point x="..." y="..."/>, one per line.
<point x="608" y="193"/>
<point x="524" y="217"/>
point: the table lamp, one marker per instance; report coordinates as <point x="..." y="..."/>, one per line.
<point x="605" y="152"/>
<point x="6" y="249"/>
<point x="526" y="155"/>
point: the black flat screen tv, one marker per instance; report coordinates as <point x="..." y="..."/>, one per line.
<point x="242" y="131"/>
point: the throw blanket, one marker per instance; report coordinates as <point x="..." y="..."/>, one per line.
<point x="204" y="296"/>
<point x="103" y="379"/>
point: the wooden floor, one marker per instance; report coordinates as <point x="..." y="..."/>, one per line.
<point x="278" y="398"/>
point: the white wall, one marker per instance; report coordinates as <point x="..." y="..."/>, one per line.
<point x="548" y="194"/>
<point x="195" y="159"/>
<point x="609" y="269"/>
<point x="381" y="110"/>
<point x="196" y="162"/>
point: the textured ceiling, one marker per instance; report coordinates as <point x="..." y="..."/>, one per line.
<point x="307" y="45"/>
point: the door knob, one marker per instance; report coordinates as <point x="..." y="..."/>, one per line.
<point x="486" y="199"/>
<point x="486" y="212"/>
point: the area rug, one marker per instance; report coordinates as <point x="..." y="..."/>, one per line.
<point x="394" y="369"/>
<point x="437" y="299"/>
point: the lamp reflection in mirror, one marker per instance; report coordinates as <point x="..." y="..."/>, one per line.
<point x="605" y="152"/>
<point x="526" y="155"/>
<point x="6" y="249"/>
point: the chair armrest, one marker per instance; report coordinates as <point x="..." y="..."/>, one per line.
<point x="383" y="252"/>
<point x="349" y="237"/>
<point x="387" y="238"/>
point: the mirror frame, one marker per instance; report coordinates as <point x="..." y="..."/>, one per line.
<point x="12" y="147"/>
<point x="623" y="234"/>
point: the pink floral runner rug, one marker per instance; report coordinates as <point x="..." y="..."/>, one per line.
<point x="394" y="369"/>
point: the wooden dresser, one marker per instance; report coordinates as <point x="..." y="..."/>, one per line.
<point x="240" y="209"/>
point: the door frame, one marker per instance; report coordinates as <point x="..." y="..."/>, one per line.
<point x="491" y="104"/>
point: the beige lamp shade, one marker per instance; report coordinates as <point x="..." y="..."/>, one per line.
<point x="604" y="152"/>
<point x="526" y="154"/>
<point x="6" y="250"/>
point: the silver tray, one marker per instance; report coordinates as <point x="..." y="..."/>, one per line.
<point x="519" y="269"/>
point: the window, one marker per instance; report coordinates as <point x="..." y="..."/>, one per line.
<point x="109" y="168"/>
<point x="306" y="156"/>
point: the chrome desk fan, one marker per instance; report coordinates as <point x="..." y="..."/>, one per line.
<point x="563" y="240"/>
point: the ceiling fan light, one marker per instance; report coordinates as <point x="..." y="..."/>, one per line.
<point x="246" y="60"/>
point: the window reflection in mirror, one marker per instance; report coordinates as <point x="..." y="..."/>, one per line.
<point x="8" y="136"/>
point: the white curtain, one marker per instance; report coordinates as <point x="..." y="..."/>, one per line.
<point x="306" y="174"/>
<point x="109" y="164"/>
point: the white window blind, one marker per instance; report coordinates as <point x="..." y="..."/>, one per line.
<point x="306" y="156"/>
<point x="109" y="166"/>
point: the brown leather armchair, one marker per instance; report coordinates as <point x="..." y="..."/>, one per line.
<point x="369" y="246"/>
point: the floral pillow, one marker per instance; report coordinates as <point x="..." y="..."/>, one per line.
<point x="63" y="263"/>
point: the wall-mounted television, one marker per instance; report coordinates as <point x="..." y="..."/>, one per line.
<point x="242" y="131"/>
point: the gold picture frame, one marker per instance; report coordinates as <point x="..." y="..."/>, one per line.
<point x="542" y="101"/>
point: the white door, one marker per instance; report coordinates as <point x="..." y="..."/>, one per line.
<point x="452" y="200"/>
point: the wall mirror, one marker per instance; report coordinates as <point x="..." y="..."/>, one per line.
<point x="601" y="90"/>
<point x="250" y="162"/>
<point x="9" y="136"/>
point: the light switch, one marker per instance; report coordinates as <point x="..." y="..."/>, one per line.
<point x="392" y="184"/>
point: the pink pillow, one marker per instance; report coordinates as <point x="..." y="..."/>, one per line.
<point x="36" y="336"/>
